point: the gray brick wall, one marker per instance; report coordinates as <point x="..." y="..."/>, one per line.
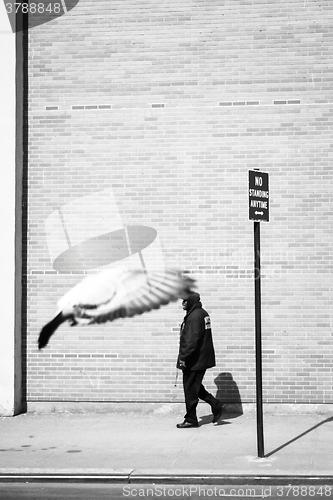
<point x="167" y="105"/>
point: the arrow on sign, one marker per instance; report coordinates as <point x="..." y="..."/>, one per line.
<point x="259" y="213"/>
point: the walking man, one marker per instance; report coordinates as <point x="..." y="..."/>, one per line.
<point x="196" y="355"/>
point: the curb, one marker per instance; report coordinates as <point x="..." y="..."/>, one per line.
<point x="131" y="477"/>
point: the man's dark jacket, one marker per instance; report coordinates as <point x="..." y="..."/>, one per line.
<point x="196" y="347"/>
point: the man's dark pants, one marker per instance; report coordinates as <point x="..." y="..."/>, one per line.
<point x="194" y="390"/>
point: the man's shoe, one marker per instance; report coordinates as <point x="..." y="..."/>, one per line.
<point x="187" y="425"/>
<point x="217" y="413"/>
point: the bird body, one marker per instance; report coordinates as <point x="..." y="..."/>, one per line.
<point x="117" y="293"/>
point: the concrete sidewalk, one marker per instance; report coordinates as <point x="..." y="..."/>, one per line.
<point x="134" y="446"/>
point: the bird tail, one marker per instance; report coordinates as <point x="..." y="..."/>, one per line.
<point x="49" y="329"/>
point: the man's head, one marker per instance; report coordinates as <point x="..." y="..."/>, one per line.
<point x="192" y="299"/>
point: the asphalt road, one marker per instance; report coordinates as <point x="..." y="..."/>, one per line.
<point x="89" y="491"/>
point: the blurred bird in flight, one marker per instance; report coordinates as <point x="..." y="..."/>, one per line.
<point x="117" y="293"/>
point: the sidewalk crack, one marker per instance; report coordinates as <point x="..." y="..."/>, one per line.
<point x="185" y="447"/>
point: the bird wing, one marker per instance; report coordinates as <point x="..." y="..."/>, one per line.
<point x="133" y="292"/>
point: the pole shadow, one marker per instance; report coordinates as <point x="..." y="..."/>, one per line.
<point x="267" y="455"/>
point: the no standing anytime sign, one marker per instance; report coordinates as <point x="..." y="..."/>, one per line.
<point x="258" y="196"/>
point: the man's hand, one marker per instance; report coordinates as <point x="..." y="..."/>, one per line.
<point x="182" y="365"/>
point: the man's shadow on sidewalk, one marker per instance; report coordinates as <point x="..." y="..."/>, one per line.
<point x="330" y="419"/>
<point x="228" y="393"/>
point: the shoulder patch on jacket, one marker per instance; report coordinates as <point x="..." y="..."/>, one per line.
<point x="207" y="322"/>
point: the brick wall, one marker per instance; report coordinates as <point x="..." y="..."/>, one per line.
<point x="166" y="105"/>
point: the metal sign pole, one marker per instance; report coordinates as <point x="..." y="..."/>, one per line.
<point x="257" y="289"/>
<point x="258" y="211"/>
